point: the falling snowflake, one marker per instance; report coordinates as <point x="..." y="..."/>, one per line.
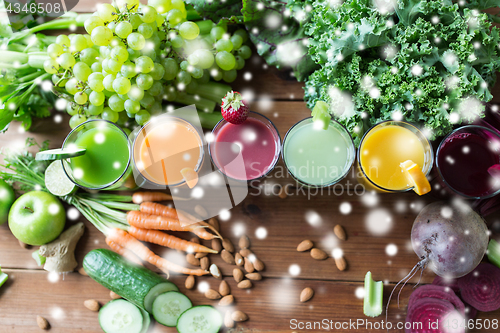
<point x="379" y="222"/>
<point x="313" y="218"/>
<point x="345" y="208"/>
<point x="294" y="270"/>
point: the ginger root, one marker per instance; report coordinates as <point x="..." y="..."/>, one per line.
<point x="60" y="253"/>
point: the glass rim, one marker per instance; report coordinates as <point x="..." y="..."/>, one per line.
<point x="222" y="122"/>
<point x="431" y="150"/>
<point x="202" y="151"/>
<point x="439" y="169"/>
<point x="124" y="171"/>
<point x="318" y="185"/>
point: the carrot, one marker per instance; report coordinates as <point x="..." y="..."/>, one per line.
<point x="164" y="239"/>
<point x="156" y="222"/>
<point x="123" y="252"/>
<point x="139" y="197"/>
<point x="125" y="240"/>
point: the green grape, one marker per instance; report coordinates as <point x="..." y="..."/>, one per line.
<point x="102" y="36"/>
<point x="109" y="115"/>
<point x="135" y="93"/>
<point x="81" y="71"/>
<point x="123" y="96"/>
<point x="157" y="72"/>
<point x="81" y="98"/>
<point x="96" y="67"/>
<point x="225" y="60"/>
<point x="189" y="30"/>
<point x="193" y="59"/>
<point x="177" y="42"/>
<point x="147" y="101"/>
<point x="174" y="17"/>
<point x="171" y="68"/>
<point x="96" y="98"/>
<point x="123" y="5"/>
<point x="144" y="64"/>
<point x="128" y="70"/>
<point x="162" y="35"/>
<point x="184" y="65"/>
<point x="217" y="33"/>
<point x="89" y="56"/>
<point x="144" y="81"/>
<point x="108" y="82"/>
<point x="104" y="51"/>
<point x="216" y="73"/>
<point x="197" y="73"/>
<point x="55" y="50"/>
<point x="112" y="26"/>
<point x="135" y="20"/>
<point x="95" y="81"/>
<point x="240" y="62"/>
<point x="242" y="33"/>
<point x="105" y="12"/>
<point x="66" y="60"/>
<point x="205" y="78"/>
<point x="205" y="58"/>
<point x="136" y="41"/>
<point x="76" y="120"/>
<point x="108" y="93"/>
<point x="156" y="109"/>
<point x="116" y="41"/>
<point x="229" y="76"/>
<point x="63" y="40"/>
<point x="192" y="87"/>
<point x="156" y="89"/>
<point x="92" y="22"/>
<point x="179" y="4"/>
<point x="237" y="41"/>
<point x="133" y="54"/>
<point x="121" y="85"/>
<point x="184" y="77"/>
<point x="95" y="110"/>
<point x="119" y="53"/>
<point x="149" y="52"/>
<point x="88" y="38"/>
<point x="245" y="52"/>
<point x="72" y="108"/>
<point x="142" y="117"/>
<point x="132" y="106"/>
<point x="116" y="103"/>
<point x="122" y="118"/>
<point x="105" y="65"/>
<point x="224" y="45"/>
<point x="159" y="20"/>
<point x="123" y="29"/>
<point x="146" y="30"/>
<point x="56" y="78"/>
<point x="162" y="6"/>
<point x="148" y="14"/>
<point x="51" y="66"/>
<point x="170" y="94"/>
<point x="72" y="86"/>
<point x="114" y="65"/>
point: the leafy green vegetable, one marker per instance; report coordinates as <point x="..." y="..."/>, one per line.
<point x="428" y="62"/>
<point x="217" y="10"/>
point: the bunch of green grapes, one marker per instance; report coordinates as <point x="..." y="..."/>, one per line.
<point x="136" y="56"/>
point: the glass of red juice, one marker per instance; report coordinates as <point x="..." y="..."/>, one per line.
<point x="468" y="161"/>
<point x="247" y="151"/>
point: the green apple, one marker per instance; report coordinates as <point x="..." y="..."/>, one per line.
<point x="7" y="198"/>
<point x="37" y="218"/>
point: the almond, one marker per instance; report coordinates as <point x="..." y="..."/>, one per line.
<point x="214" y="222"/>
<point x="224" y="288"/>
<point x="216" y="246"/>
<point x="341" y="263"/>
<point x="306" y="294"/>
<point x="245" y="252"/>
<point x="254" y="276"/>
<point x="200" y="255"/>
<point x="192" y="260"/>
<point x="238" y="275"/>
<point x="318" y="254"/>
<point x="228" y="321"/>
<point x="228" y="245"/>
<point x="92" y="305"/>
<point x="244" y="242"/>
<point x="215" y="271"/>
<point x="227" y="257"/>
<point x="305" y="245"/>
<point x="195" y="240"/>
<point x="212" y="294"/>
<point x="190" y="281"/>
<point x="245" y="284"/>
<point x="82" y="271"/>
<point x="238" y="259"/>
<point x="249" y="266"/>
<point x="339" y="231"/>
<point x="239" y="316"/>
<point x="114" y="295"/>
<point x="258" y="264"/>
<point x="205" y="263"/>
<point x="200" y="210"/>
<point x="226" y="300"/>
<point x="283" y="193"/>
<point x="42" y="323"/>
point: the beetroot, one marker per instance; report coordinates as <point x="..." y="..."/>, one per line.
<point x="450" y="283"/>
<point x="425" y="312"/>
<point x="439" y="292"/>
<point x="470" y="312"/>
<point x="481" y="287"/>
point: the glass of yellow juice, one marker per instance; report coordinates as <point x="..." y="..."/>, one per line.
<point x="384" y="147"/>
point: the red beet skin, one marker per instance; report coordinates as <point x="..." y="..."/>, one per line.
<point x="481" y="287"/>
<point x="426" y="312"/>
<point x="439" y="292"/>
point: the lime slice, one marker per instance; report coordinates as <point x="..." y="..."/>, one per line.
<point x="321" y="114"/>
<point x="56" y="180"/>
<point x="59" y="154"/>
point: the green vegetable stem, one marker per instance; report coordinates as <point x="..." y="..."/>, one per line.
<point x="374" y="296"/>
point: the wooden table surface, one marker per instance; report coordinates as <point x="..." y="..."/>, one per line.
<point x="273" y="303"/>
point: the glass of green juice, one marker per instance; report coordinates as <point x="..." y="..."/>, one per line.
<point x="317" y="157"/>
<point x="106" y="162"/>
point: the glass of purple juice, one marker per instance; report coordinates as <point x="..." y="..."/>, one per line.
<point x="468" y="161"/>
<point x="247" y="151"/>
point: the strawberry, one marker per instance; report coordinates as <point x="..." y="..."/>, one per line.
<point x="234" y="109"/>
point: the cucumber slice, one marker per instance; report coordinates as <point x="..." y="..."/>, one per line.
<point x="121" y="316"/>
<point x="200" y="319"/>
<point x="40" y="260"/>
<point x="59" y="154"/>
<point x="169" y="306"/>
<point x="155" y="292"/>
<point x="56" y="180"/>
<point x="147" y="321"/>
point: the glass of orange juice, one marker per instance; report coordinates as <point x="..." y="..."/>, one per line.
<point x="384" y="147"/>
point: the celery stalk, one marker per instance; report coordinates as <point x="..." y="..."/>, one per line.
<point x="374" y="295"/>
<point x="201" y="103"/>
<point x="213" y="91"/>
<point x="209" y="120"/>
<point x="40" y="260"/>
<point x="494" y="252"/>
<point x="3" y="277"/>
